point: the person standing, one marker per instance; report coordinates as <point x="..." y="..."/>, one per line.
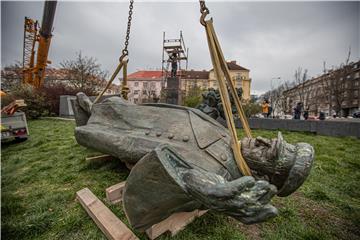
<point x="265" y="108"/>
<point x="297" y="110"/>
<point x="270" y="109"/>
<point x="306" y="114"/>
<point x="174" y="64"/>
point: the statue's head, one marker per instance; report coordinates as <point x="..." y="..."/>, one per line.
<point x="284" y="165"/>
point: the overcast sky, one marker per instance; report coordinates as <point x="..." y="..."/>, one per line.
<point x="271" y="39"/>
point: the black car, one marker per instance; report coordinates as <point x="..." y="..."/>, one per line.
<point x="356" y="115"/>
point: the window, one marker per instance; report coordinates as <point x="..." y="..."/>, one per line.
<point x="145" y="84"/>
<point x="136" y="100"/>
<point x="153" y="84"/>
<point x="136" y="84"/>
<point x="144" y="91"/>
<point x="136" y="92"/>
<point x="153" y="92"/>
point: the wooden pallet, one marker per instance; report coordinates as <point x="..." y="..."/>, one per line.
<point x="105" y="219"/>
<point x="173" y="224"/>
<point x="114" y="193"/>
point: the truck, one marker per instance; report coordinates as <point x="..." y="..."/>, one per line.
<point x="14" y="127"/>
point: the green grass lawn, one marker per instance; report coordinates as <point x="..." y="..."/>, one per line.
<point x="41" y="176"/>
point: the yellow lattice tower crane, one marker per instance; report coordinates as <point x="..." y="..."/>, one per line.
<point x="34" y="72"/>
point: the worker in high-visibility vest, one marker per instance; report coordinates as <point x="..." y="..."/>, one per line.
<point x="2" y="93"/>
<point x="265" y="108"/>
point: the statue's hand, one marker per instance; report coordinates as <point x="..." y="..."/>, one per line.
<point x="244" y="198"/>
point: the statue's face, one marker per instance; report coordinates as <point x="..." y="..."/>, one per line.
<point x="259" y="149"/>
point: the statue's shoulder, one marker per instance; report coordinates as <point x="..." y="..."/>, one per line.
<point x="205" y="129"/>
<point x="197" y="112"/>
<point x="117" y="100"/>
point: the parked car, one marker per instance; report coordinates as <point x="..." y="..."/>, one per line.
<point x="356" y="114"/>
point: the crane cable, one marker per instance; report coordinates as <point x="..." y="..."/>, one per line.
<point x="223" y="75"/>
<point x="123" y="61"/>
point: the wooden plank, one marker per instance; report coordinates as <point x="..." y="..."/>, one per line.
<point x="114" y="193"/>
<point x="174" y="224"/>
<point x="185" y="220"/>
<point x="104" y="157"/>
<point x="106" y="220"/>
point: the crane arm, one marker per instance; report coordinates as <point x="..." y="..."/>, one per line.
<point x="44" y="42"/>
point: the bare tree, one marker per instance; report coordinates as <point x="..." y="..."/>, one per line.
<point x="283" y="104"/>
<point x="300" y="80"/>
<point x="335" y="85"/>
<point x="148" y="93"/>
<point x="84" y="73"/>
<point x="279" y="99"/>
<point x="11" y="76"/>
<point x="314" y="97"/>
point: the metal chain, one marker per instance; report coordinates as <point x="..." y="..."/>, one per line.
<point x="204" y="12"/>
<point x="203" y="8"/>
<point x="125" y="51"/>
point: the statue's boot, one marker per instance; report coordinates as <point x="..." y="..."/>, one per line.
<point x="289" y="167"/>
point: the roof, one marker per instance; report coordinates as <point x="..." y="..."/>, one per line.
<point x="149" y="75"/>
<point x="232" y="65"/>
<point x="145" y="75"/>
<point x="192" y="74"/>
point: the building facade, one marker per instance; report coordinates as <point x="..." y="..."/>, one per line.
<point x="240" y="77"/>
<point x="145" y="85"/>
<point x="335" y="92"/>
<point x="192" y="79"/>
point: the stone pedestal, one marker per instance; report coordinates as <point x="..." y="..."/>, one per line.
<point x="173" y="91"/>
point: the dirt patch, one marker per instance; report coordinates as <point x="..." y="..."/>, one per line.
<point x="252" y="232"/>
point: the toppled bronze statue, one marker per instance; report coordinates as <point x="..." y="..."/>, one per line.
<point x="183" y="161"/>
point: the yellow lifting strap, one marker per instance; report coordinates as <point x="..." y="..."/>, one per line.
<point x="122" y="65"/>
<point x="222" y="74"/>
<point x="124" y="88"/>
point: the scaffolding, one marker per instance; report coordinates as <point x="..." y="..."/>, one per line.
<point x="171" y="46"/>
